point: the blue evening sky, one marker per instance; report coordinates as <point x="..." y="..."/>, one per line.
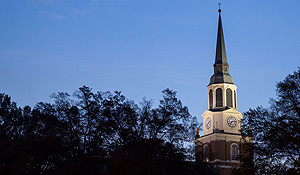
<point x="141" y="47"/>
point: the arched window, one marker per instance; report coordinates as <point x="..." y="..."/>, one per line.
<point x="234" y="152"/>
<point x="219" y="98"/>
<point x="234" y="99"/>
<point x="210" y="99"/>
<point x="229" y="97"/>
<point x="205" y="154"/>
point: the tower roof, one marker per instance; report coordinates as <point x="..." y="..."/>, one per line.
<point x="220" y="49"/>
<point x="221" y="67"/>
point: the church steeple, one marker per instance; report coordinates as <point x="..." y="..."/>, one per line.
<point x="221" y="67"/>
<point x="222" y="137"/>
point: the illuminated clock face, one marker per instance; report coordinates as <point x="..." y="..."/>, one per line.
<point x="231" y="121"/>
<point x="208" y="123"/>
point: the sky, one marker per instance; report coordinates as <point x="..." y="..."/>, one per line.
<point x="141" y="47"/>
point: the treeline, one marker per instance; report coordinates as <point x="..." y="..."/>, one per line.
<point x="96" y="133"/>
<point x="276" y="132"/>
<point x="105" y="133"/>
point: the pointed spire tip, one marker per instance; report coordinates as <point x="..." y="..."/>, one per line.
<point x="219" y="8"/>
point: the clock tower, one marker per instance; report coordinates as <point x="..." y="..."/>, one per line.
<point x="220" y="143"/>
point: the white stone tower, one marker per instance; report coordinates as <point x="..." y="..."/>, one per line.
<point x="221" y="138"/>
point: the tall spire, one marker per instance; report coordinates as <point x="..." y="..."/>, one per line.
<point x="221" y="67"/>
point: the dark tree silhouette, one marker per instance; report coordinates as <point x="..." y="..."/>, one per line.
<point x="277" y="130"/>
<point x="95" y="133"/>
<point x="151" y="140"/>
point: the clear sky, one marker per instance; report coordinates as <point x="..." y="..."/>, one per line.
<point x="141" y="47"/>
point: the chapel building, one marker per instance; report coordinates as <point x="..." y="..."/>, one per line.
<point x="222" y="122"/>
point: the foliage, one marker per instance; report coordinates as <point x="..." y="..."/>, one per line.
<point x="277" y="130"/>
<point x="95" y="133"/>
